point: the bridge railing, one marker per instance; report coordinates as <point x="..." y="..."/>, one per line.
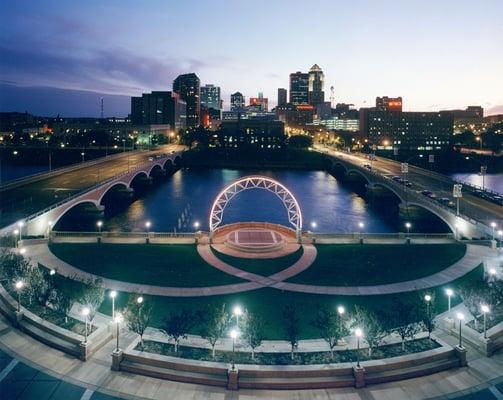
<point x="119" y="235"/>
<point x="395" y="235"/>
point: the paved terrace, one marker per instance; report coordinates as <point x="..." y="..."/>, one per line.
<point x="21" y="201"/>
<point x="29" y="369"/>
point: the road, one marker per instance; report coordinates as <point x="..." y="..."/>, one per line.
<point x="22" y="201"/>
<point x="474" y="207"/>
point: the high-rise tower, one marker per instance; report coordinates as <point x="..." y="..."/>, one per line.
<point x="316" y="80"/>
<point x="188" y="87"/>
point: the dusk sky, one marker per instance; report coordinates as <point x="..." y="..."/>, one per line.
<point x="435" y="54"/>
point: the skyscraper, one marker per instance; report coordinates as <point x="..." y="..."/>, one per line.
<point x="386" y="103"/>
<point x="237" y="102"/>
<point x="159" y="108"/>
<point x="210" y="96"/>
<point x="316" y="81"/>
<point x="188" y="87"/>
<point x="281" y="96"/>
<point x="299" y="88"/>
<point x="260" y="102"/>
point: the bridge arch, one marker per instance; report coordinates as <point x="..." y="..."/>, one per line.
<point x="168" y="164"/>
<point x="256" y="182"/>
<point x="390" y="189"/>
<point x="451" y="224"/>
<point x="62" y="212"/>
<point x="155" y="167"/>
<point x="111" y="187"/>
<point x="139" y="173"/>
<point x="359" y="173"/>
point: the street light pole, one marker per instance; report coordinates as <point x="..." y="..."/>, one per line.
<point x="485" y="309"/>
<point x="19" y="286"/>
<point x="449" y="293"/>
<point x="359" y="334"/>
<point x="461" y="317"/>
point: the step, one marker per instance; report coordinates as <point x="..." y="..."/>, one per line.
<point x="49" y="339"/>
<point x="174" y="375"/>
<point x="411" y="372"/>
<point x="322" y="382"/>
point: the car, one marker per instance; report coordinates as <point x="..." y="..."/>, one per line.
<point x="426" y="192"/>
<point x="368" y="166"/>
<point x="498" y="200"/>
<point x="396" y="178"/>
<point x="432" y="195"/>
<point x="151" y="158"/>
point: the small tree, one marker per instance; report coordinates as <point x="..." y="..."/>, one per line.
<point x="14" y="266"/>
<point x="92" y="296"/>
<point x="373" y="329"/>
<point x="330" y="326"/>
<point x="404" y="319"/>
<point x="253" y="331"/>
<point x="291" y="325"/>
<point x="427" y="312"/>
<point x="176" y="325"/>
<point x="473" y="294"/>
<point x="215" y="326"/>
<point x="65" y="292"/>
<point x="138" y="315"/>
<point x="36" y="285"/>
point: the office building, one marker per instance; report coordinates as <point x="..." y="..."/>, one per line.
<point x="210" y="97"/>
<point x="281" y="97"/>
<point x="338" y="124"/>
<point x="159" y="108"/>
<point x="316" y="95"/>
<point x="237" y="102"/>
<point x="257" y="133"/>
<point x="260" y="102"/>
<point x="299" y="88"/>
<point x="386" y="103"/>
<point x="188" y="87"/>
<point x="295" y="114"/>
<point x="409" y="130"/>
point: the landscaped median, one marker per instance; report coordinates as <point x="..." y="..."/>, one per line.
<point x="51" y="334"/>
<point x="438" y="357"/>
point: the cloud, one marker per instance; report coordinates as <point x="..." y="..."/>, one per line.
<point x="494" y="110"/>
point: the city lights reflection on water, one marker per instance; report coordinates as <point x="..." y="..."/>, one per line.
<point x="186" y="196"/>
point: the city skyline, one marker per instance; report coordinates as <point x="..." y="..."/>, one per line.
<point x="90" y="48"/>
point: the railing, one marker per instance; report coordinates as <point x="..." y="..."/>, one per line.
<point x="396" y="235"/>
<point x="125" y="235"/>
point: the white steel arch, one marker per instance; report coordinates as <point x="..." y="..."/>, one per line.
<point x="256" y="182"/>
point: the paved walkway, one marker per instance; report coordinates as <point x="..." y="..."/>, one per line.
<point x="39" y="371"/>
<point x="40" y="253"/>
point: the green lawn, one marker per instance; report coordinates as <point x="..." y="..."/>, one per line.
<point x="270" y="303"/>
<point x="261" y="266"/>
<point x="163" y="265"/>
<point x="374" y="264"/>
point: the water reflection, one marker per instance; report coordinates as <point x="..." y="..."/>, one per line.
<point x="185" y="197"/>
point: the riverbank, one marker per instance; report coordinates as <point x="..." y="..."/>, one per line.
<point x="288" y="158"/>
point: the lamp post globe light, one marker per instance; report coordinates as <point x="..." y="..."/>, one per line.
<point x="148" y="224"/>
<point x="20" y="225"/>
<point x="358" y="334"/>
<point x="449" y="292"/>
<point x="197" y="225"/>
<point x="52" y="272"/>
<point x="113" y="295"/>
<point x="99" y="224"/>
<point x="485" y="310"/>
<point x="427" y="298"/>
<point x="22" y="250"/>
<point x="118" y="320"/>
<point x="341" y="310"/>
<point x="408" y="225"/>
<point x="234" y="334"/>
<point x="19" y="286"/>
<point x="85" y="314"/>
<point x="314" y="225"/>
<point x="237" y="311"/>
<point x="460" y="317"/>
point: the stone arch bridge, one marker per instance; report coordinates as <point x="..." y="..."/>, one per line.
<point x="461" y="225"/>
<point x="40" y="223"/>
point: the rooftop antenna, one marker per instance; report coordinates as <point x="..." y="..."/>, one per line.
<point x="332" y="96"/>
<point x="102" y="113"/>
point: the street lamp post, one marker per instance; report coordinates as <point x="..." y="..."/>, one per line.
<point x="361" y="225"/>
<point x="460" y="317"/>
<point x="234" y="335"/>
<point x="500" y="234"/>
<point x="449" y="293"/>
<point x="359" y="334"/>
<point x="20" y="225"/>
<point x="493" y="226"/>
<point x="196" y="225"/>
<point x="485" y="309"/>
<point x="341" y="310"/>
<point x="139" y="301"/>
<point x="85" y="313"/>
<point x="148" y="224"/>
<point x="113" y="295"/>
<point x="427" y="298"/>
<point x="19" y="286"/>
<point x="99" y="224"/>
<point x="408" y="225"/>
<point x="118" y="319"/>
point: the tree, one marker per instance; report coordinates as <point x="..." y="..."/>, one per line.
<point x="176" y="325"/>
<point x="300" y="141"/>
<point x="14" y="266"/>
<point x="427" y="312"/>
<point x="369" y="322"/>
<point x="404" y="319"/>
<point x="215" y="326"/>
<point x="65" y="292"/>
<point x="36" y="285"/>
<point x="92" y="296"/>
<point x="291" y="325"/>
<point x="138" y="315"/>
<point x="473" y="294"/>
<point x="330" y="326"/>
<point x="253" y="331"/>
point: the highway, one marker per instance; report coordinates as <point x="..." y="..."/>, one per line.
<point x="471" y="206"/>
<point x="22" y="201"/>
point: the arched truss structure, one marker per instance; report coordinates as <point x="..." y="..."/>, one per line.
<point x="256" y="182"/>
